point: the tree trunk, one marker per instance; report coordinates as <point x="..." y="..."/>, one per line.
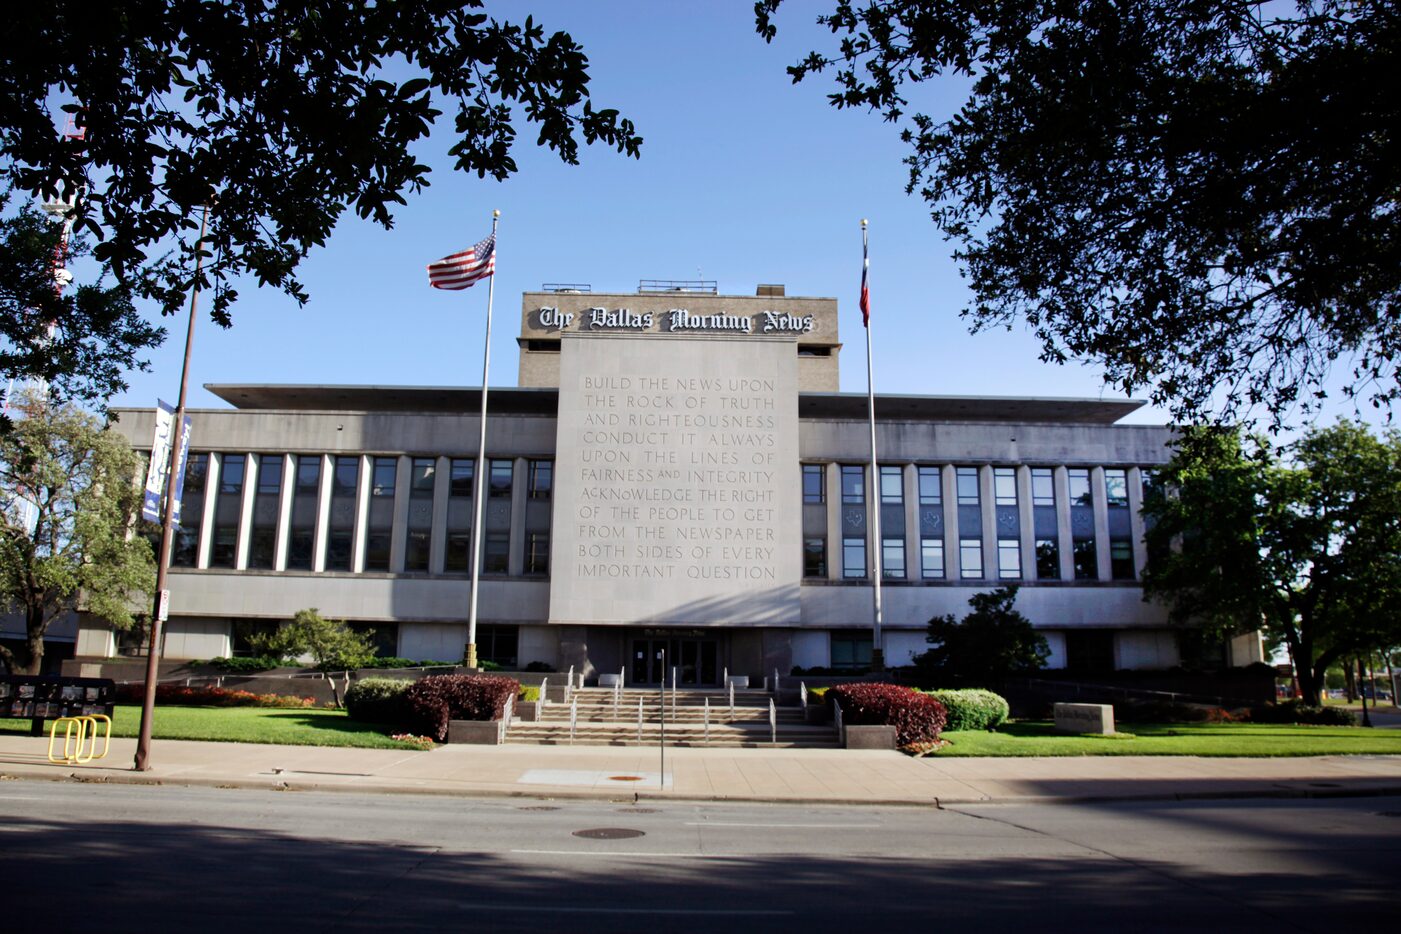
<point x="1310" y="684"/>
<point x="35" y="645"/>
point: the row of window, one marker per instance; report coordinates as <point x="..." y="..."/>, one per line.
<point x="342" y="510"/>
<point x="930" y="487"/>
<point x="1084" y="559"/>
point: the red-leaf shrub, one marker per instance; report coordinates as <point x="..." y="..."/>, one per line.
<point x="917" y="717"/>
<point x="182" y="695"/>
<point x="435" y="700"/>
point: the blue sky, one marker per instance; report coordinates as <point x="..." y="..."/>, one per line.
<point x="744" y="179"/>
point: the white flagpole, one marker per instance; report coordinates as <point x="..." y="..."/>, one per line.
<point x="877" y="648"/>
<point x="480" y="471"/>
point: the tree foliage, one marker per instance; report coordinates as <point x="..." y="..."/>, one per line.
<point x="1306" y="543"/>
<point x="992" y="642"/>
<point x="1199" y="197"/>
<point x="79" y="341"/>
<point x="70" y="502"/>
<point x="330" y="642"/>
<point x="282" y="114"/>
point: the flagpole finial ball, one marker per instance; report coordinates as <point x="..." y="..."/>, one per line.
<point x="863" y="223"/>
<point x="495" y="213"/>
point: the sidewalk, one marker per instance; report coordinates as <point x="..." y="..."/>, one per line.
<point x="819" y="776"/>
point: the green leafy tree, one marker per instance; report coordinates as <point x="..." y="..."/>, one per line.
<point x="1201" y="198"/>
<point x="283" y="114"/>
<point x="991" y="642"/>
<point x="70" y="502"/>
<point x="330" y="642"/>
<point x="1305" y="543"/>
<point x="79" y="341"/>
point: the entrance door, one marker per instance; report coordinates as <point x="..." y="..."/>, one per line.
<point x="694" y="658"/>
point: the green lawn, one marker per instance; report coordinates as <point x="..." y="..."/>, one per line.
<point x="1038" y="738"/>
<point x="299" y="727"/>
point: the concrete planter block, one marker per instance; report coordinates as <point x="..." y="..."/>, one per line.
<point x="816" y="713"/>
<point x="528" y="711"/>
<point x="739" y="681"/>
<point x="474" y="732"/>
<point x="870" y="737"/>
<point x="607" y="681"/>
<point x="1084" y="718"/>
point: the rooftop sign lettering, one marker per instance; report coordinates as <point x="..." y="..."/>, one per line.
<point x="674" y="320"/>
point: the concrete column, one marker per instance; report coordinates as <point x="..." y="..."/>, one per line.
<point x="323" y="514"/>
<point x="245" y="509"/>
<point x="284" y="512"/>
<point x="1027" y="522"/>
<point x="1101" y="506"/>
<point x="987" y="506"/>
<point x="1061" y="480"/>
<point x="211" y="501"/>
<point x="398" y="539"/>
<point x="1136" y="529"/>
<point x="437" y="552"/>
<point x="520" y="479"/>
<point x="948" y="481"/>
<point x="832" y="473"/>
<point x="362" y="514"/>
<point x="914" y="566"/>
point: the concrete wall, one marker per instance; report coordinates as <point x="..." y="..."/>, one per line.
<point x="1146" y="650"/>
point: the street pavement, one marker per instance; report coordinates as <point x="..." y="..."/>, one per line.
<point x="827" y="776"/>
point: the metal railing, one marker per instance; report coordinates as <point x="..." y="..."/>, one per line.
<point x="773" y="723"/>
<point x="732" y="700"/>
<point x="506" y="713"/>
<point x="837" y="719"/>
<point x="569" y="684"/>
<point x="707" y="720"/>
<point x="678" y="285"/>
<point x="573" y="718"/>
<point x="566" y="287"/>
<point x="803" y="694"/>
<point x="544" y="693"/>
<point x="639" y="719"/>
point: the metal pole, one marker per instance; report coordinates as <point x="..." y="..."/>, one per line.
<point x="471" y="659"/>
<point x="148" y="701"/>
<point x="661" y="714"/>
<point x="877" y="649"/>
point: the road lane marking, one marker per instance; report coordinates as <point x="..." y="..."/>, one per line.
<point x="716" y="823"/>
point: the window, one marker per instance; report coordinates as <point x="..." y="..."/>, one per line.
<point x="418" y="543"/>
<point x="537" y="553"/>
<point x="930" y="493"/>
<point x="970" y="557"/>
<point x="1009" y="559"/>
<point x="500" y="479"/>
<point x="460" y="482"/>
<point x="967" y="480"/>
<point x="814" y="557"/>
<point x="931" y="558"/>
<point x="345" y="478"/>
<point x="1086" y="562"/>
<point x="892" y="484"/>
<point x="1047" y="559"/>
<point x="185" y="550"/>
<point x="421" y="477"/>
<point x="1079" y="479"/>
<point x="1116" y="487"/>
<point x="496" y="551"/>
<point x="851" y="649"/>
<point x="853" y="484"/>
<point x="379" y="533"/>
<point x="498" y="644"/>
<point x="417" y="546"/>
<point x="262" y="549"/>
<point x="227" y="510"/>
<point x="1004" y="486"/>
<point x="892" y="557"/>
<point x="302" y="531"/>
<point x="814" y="489"/>
<point x="1121" y="559"/>
<point x="455" y="557"/>
<point x="854" y="558"/>
<point x="1043" y="487"/>
<point x="541" y="479"/>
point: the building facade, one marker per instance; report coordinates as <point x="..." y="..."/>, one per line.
<point x="675" y="470"/>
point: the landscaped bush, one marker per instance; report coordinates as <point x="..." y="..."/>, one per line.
<point x="1170" y="712"/>
<point x="248" y="665"/>
<point x="917" y="717"/>
<point x="529" y="692"/>
<point x="817" y="695"/>
<point x="377" y="700"/>
<point x="543" y="667"/>
<point x="1296" y="711"/>
<point x="393" y="661"/>
<point x="973" y="709"/>
<point x="186" y="696"/>
<point x="437" y="699"/>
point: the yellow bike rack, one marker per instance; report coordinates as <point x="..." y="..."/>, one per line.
<point x="80" y="738"/>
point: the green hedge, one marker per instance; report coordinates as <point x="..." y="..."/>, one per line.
<point x="377" y="700"/>
<point x="973" y="709"/>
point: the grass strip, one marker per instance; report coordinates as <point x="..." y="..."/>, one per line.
<point x="1039" y="738"/>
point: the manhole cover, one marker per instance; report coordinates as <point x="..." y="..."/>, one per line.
<point x="608" y="833"/>
<point x="625" y="778"/>
<point x="538" y="807"/>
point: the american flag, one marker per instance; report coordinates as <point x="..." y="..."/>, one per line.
<point x="462" y="270"/>
<point x="865" y="293"/>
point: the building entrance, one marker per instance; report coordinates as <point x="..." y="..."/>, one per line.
<point x="695" y="658"/>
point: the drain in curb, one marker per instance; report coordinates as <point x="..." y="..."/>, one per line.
<point x="625" y="778"/>
<point x="608" y="833"/>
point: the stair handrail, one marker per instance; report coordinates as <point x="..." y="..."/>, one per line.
<point x="732" y="701"/>
<point x="506" y="713"/>
<point x="773" y="723"/>
<point x="803" y="694"/>
<point x="573" y="718"/>
<point x="775" y="682"/>
<point x="639" y="719"/>
<point x="569" y="684"/>
<point x="707" y="721"/>
<point x="544" y="693"/>
<point x="617" y="694"/>
<point x="622" y="673"/>
<point x="673" y="692"/>
<point x="837" y="719"/>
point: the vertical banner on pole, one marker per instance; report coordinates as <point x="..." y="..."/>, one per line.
<point x="160" y="463"/>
